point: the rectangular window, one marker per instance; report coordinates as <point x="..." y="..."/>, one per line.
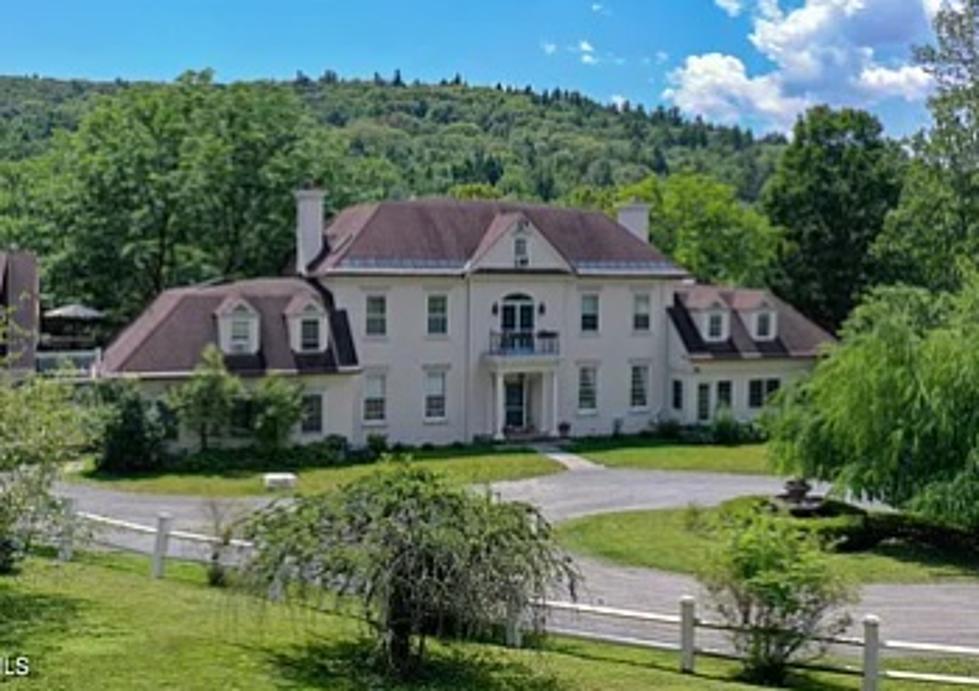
<point x="589" y="312"/>
<point x="375" y="407"/>
<point x="639" y="386"/>
<point x="377" y="319"/>
<point x="435" y="395"/>
<point x="703" y="402"/>
<point x="771" y="386"/>
<point x="640" y="312"/>
<point x="241" y="335"/>
<point x="756" y="393"/>
<point x="309" y="334"/>
<point x="438" y="315"/>
<point x="521" y="257"/>
<point x="587" y="389"/>
<point x="724" y="394"/>
<point x="312" y="420"/>
<point x="715" y="327"/>
<point x="764" y="325"/>
<point x="677" y="394"/>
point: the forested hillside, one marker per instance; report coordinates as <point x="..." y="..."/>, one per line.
<point x="529" y="144"/>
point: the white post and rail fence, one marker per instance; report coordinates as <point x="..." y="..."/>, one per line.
<point x="686" y="622"/>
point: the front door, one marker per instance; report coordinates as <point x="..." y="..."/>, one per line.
<point x="514" y="403"/>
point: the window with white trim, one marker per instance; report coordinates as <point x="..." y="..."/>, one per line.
<point x="703" y="402"/>
<point x="438" y="315"/>
<point x="521" y="252"/>
<point x="763" y="326"/>
<point x="677" y="394"/>
<point x="587" y="388"/>
<point x="639" y="387"/>
<point x="309" y="334"/>
<point x="377" y="315"/>
<point x="640" y="312"/>
<point x="724" y="394"/>
<point x="589" y="312"/>
<point x="435" y="395"/>
<point x="312" y="414"/>
<point x="375" y="398"/>
<point x="715" y="326"/>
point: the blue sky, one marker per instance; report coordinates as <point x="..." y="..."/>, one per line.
<point x="754" y="62"/>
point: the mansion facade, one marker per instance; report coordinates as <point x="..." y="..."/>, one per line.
<point x="436" y="321"/>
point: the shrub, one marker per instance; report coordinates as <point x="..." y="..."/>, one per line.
<point x="773" y="582"/>
<point x="725" y="429"/>
<point x="421" y="557"/>
<point x="668" y="429"/>
<point x="277" y="407"/>
<point x="377" y="444"/>
<point x="134" y="430"/>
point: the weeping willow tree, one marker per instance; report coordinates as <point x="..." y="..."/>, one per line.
<point x="421" y="557"/>
<point x="892" y="414"/>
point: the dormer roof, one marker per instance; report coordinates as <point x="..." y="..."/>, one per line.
<point x="797" y="336"/>
<point x="167" y="339"/>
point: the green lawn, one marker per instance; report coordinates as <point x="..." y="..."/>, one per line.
<point x="463" y="469"/>
<point x="100" y="623"/>
<point x="664" y="540"/>
<point x="653" y="454"/>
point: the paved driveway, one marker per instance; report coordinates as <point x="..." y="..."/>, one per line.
<point x="945" y="613"/>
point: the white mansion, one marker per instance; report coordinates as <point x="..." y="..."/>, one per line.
<point x="440" y="321"/>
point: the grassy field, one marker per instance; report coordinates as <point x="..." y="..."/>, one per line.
<point x="654" y="454"/>
<point x="463" y="469"/>
<point x="100" y="623"/>
<point x="664" y="540"/>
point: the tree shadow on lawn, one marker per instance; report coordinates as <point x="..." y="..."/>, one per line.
<point x="24" y="616"/>
<point x="349" y="665"/>
<point x="725" y="672"/>
<point x="942" y="562"/>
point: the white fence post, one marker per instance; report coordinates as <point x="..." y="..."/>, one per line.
<point x="66" y="547"/>
<point x="871" y="653"/>
<point x="688" y="624"/>
<point x="163" y="523"/>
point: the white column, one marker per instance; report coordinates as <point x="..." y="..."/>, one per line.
<point x="688" y="626"/>
<point x="500" y="411"/>
<point x="555" y="403"/>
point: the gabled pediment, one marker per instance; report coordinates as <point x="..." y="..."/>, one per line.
<point x="513" y="243"/>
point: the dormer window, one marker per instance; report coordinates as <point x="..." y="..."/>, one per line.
<point x="240" y="327"/>
<point x="764" y="326"/>
<point x="309" y="334"/>
<point x="307" y="326"/>
<point x="521" y="252"/>
<point x="715" y="326"/>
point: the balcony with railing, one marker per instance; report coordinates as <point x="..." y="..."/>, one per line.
<point x="523" y="344"/>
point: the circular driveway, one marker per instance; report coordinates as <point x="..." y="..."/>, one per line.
<point x="941" y="612"/>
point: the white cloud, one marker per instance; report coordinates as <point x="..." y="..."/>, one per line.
<point x="718" y="86"/>
<point x="585" y="47"/>
<point x="732" y="7"/>
<point x="822" y="51"/>
<point x="910" y="82"/>
<point x="618" y="100"/>
<point x="589" y="59"/>
<point x="661" y="57"/>
<point x="548" y="47"/>
<point x="599" y="8"/>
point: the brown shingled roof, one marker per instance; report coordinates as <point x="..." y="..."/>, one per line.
<point x="448" y="233"/>
<point x="170" y="335"/>
<point x="19" y="295"/>
<point x="797" y="336"/>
